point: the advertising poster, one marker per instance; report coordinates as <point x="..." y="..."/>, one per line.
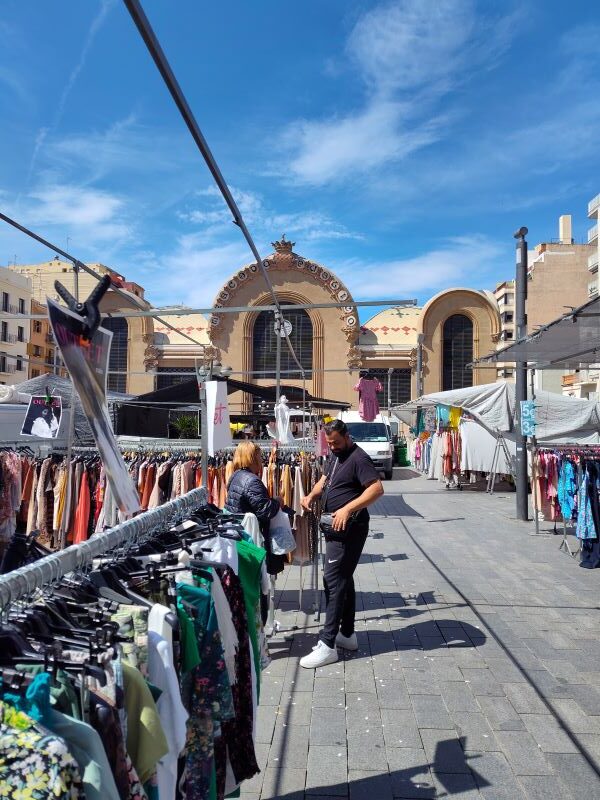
<point x="219" y="430"/>
<point x="87" y="362"/>
<point x="43" y="417"/>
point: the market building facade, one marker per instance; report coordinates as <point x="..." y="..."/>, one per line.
<point x="451" y="330"/>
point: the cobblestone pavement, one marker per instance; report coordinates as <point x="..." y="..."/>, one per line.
<point x="478" y="673"/>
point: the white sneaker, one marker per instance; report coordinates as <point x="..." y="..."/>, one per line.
<point x="320" y="656"/>
<point x="347" y="642"/>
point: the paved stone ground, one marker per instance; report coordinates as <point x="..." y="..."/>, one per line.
<point x="478" y="674"/>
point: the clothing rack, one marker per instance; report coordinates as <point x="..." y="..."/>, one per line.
<point x="589" y="452"/>
<point x="24" y="580"/>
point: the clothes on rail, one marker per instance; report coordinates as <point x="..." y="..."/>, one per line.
<point x="368" y="404"/>
<point x="567" y="486"/>
<point x="141" y="679"/>
<point x="451" y="447"/>
<point x="292" y="476"/>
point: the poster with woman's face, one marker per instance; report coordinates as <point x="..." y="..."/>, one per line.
<point x="43" y="416"/>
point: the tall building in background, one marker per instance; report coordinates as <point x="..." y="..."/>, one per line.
<point x="505" y="297"/>
<point x="15" y="299"/>
<point x="586" y="382"/>
<point x="44" y="356"/>
<point x="132" y="355"/>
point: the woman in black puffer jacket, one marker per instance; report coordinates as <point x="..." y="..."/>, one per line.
<point x="247" y="493"/>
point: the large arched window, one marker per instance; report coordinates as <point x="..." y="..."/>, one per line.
<point x="264" y="344"/>
<point x="117" y="363"/>
<point x="458" y="352"/>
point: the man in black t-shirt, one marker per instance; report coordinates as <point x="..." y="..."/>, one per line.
<point x="350" y="484"/>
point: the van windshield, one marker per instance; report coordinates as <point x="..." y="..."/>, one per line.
<point x="368" y="431"/>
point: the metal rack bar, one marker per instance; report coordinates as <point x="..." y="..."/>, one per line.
<point x="23" y="581"/>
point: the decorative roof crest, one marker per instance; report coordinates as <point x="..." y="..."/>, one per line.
<point x="283" y="245"/>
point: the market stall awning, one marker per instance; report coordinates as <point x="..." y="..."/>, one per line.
<point x="571" y="342"/>
<point x="187" y="392"/>
<point x="559" y="419"/>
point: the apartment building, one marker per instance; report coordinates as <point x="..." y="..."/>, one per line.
<point x="44" y="356"/>
<point x="505" y="297"/>
<point x="15" y="300"/>
<point x="586" y="382"/>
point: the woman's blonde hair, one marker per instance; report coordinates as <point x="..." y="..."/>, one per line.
<point x="247" y="456"/>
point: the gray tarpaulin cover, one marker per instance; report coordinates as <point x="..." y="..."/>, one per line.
<point x="58" y="387"/>
<point x="559" y="419"/>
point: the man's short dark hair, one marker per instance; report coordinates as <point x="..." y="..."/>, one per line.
<point x="336" y="426"/>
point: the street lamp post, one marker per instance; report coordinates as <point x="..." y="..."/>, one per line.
<point x="521" y="375"/>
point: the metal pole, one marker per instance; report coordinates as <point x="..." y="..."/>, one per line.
<point x="278" y="323"/>
<point x="420" y="338"/>
<point x="521" y="375"/>
<point x="70" y="430"/>
<point x="204" y="433"/>
<point x="389" y="391"/>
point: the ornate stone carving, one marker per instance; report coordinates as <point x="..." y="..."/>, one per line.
<point x="209" y="354"/>
<point x="354" y="357"/>
<point x="285" y="259"/>
<point x="283" y="245"/>
<point x="496" y="337"/>
<point x="151" y="356"/>
<point x="351" y="334"/>
<point x="148" y="338"/>
<point x="412" y="360"/>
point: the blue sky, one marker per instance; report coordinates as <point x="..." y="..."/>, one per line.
<point x="399" y="143"/>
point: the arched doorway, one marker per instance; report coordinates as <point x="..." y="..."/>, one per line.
<point x="264" y="345"/>
<point x="457" y="352"/>
<point x="117" y="364"/>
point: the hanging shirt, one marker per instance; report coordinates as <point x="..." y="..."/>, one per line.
<point x="173" y="716"/>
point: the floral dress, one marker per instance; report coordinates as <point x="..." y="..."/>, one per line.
<point x="206" y="691"/>
<point x="34" y="765"/>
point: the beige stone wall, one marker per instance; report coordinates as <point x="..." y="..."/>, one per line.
<point x="483" y="312"/>
<point x="140" y="353"/>
<point x="42" y="277"/>
<point x="559" y="277"/>
<point x="335" y="330"/>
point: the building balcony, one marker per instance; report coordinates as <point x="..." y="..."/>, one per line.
<point x="593" y="207"/>
<point x="9" y="338"/>
<point x="593" y="262"/>
<point x="593" y="234"/>
<point x="49" y="338"/>
<point x="7" y="369"/>
<point x="570" y="380"/>
<point x="592" y="288"/>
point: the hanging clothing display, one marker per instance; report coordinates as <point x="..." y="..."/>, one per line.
<point x="368" y="404"/>
<point x="171" y="687"/>
<point x="568" y="489"/>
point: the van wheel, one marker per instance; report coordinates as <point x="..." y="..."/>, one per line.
<point x="388" y="474"/>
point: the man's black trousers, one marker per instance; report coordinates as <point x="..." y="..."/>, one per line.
<point x="342" y="553"/>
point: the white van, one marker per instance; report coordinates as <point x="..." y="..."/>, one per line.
<point x="375" y="438"/>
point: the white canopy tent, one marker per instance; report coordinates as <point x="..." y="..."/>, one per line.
<point x="560" y="420"/>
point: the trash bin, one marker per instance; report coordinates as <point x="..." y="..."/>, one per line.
<point x="400" y="453"/>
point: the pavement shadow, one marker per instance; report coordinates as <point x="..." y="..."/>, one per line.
<point x="427" y="636"/>
<point x="450" y="773"/>
<point x="392" y="505"/>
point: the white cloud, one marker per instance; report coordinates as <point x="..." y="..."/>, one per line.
<point x="93" y="30"/>
<point x="195" y="272"/>
<point x="408" y="53"/>
<point x="329" y="150"/>
<point x="263" y="221"/>
<point x="453" y="264"/>
<point x="87" y="216"/>
<point x="411" y="43"/>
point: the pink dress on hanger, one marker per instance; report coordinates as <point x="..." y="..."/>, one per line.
<point x="368" y="404"/>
